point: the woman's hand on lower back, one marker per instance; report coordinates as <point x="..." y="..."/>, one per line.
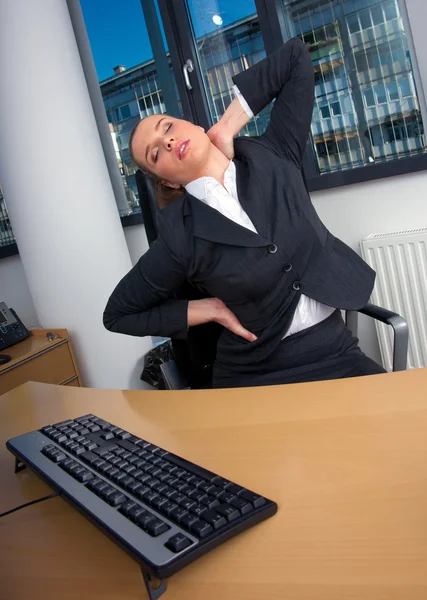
<point x="214" y="309"/>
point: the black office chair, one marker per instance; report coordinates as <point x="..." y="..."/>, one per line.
<point x="194" y="357"/>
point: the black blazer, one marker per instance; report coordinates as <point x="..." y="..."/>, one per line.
<point x="260" y="276"/>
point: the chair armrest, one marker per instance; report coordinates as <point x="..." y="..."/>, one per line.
<point x="400" y="331"/>
<point x="173" y="377"/>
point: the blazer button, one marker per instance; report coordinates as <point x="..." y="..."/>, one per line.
<point x="272" y="248"/>
<point x="296" y="285"/>
<point x="287" y="268"/>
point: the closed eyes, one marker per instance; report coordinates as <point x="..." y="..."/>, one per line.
<point x="155" y="154"/>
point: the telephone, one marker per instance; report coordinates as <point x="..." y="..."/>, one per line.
<point x="12" y="329"/>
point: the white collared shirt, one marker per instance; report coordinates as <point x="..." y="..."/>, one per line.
<point x="224" y="199"/>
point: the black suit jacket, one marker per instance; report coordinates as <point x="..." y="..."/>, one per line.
<point x="259" y="276"/>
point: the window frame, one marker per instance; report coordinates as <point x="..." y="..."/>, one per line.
<point x="273" y="13"/>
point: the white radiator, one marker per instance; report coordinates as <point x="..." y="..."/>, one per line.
<point x="400" y="260"/>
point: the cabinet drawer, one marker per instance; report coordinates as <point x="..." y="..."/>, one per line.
<point x="54" y="365"/>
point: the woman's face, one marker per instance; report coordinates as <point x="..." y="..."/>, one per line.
<point x="172" y="149"/>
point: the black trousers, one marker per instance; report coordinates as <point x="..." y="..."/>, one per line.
<point x="325" y="351"/>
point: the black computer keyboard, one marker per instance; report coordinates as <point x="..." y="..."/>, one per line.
<point x="164" y="510"/>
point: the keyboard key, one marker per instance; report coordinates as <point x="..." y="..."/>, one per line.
<point x="187" y="503"/>
<point x="126" y="506"/>
<point x="142" y="492"/>
<point x="135" y="511"/>
<point x="144" y="518"/>
<point x="108" y="435"/>
<point x="199" y="509"/>
<point x="188" y="520"/>
<point x="209" y="502"/>
<point x="98" y="487"/>
<point x="229" y="512"/>
<point x="150" y="496"/>
<point x="158" y="502"/>
<point x="216" y="491"/>
<point x="201" y="529"/>
<point x="84" y="431"/>
<point x="113" y="473"/>
<point x="178" y="513"/>
<point x="105" y="493"/>
<point x="254" y="499"/>
<point x="155" y="527"/>
<point x="242" y="505"/>
<point x="93" y="428"/>
<point x="220" y="481"/>
<point x="85" y="476"/>
<point x="232" y="488"/>
<point x="62" y="423"/>
<point x="195" y="469"/>
<point x="178" y="542"/>
<point x="123" y="435"/>
<point x="127" y="481"/>
<point x="179" y="498"/>
<point x="134" y="487"/>
<point x="215" y="519"/>
<point x="91" y="485"/>
<point x="168" y="507"/>
<point x="116" y="498"/>
<point x="129" y="469"/>
<point x="198" y="496"/>
<point x="225" y="496"/>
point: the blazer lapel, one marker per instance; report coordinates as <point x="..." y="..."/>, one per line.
<point x="251" y="196"/>
<point x="209" y="224"/>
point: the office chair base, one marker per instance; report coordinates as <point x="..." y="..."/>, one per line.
<point x="19" y="465"/>
<point x="153" y="592"/>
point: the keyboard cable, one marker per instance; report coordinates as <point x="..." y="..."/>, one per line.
<point x="29" y="503"/>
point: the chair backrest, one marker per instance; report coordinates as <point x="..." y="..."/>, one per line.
<point x="148" y="203"/>
<point x="195" y="355"/>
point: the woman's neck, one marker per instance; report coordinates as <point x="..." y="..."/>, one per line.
<point x="215" y="166"/>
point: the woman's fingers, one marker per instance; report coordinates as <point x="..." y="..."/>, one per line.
<point x="231" y="322"/>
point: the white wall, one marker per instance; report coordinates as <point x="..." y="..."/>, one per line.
<point x="136" y="240"/>
<point x="350" y="212"/>
<point x="386" y="205"/>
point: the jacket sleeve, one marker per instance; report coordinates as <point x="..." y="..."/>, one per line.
<point x="285" y="76"/>
<point x="141" y="303"/>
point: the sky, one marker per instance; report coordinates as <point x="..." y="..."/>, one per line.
<point x="118" y="35"/>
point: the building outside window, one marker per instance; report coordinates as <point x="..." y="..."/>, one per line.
<point x="366" y="106"/>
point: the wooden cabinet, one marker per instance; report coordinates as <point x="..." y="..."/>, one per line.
<point x="46" y="356"/>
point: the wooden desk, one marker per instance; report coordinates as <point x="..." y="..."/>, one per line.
<point x="38" y="358"/>
<point x="345" y="460"/>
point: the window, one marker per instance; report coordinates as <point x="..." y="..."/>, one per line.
<point x="393" y="92"/>
<point x="365" y="19"/>
<point x="371" y="71"/>
<point x="353" y="23"/>
<point x="325" y="111"/>
<point x="336" y="108"/>
<point x="405" y="88"/>
<point x="380" y="94"/>
<point x="377" y="15"/>
<point x="369" y="98"/>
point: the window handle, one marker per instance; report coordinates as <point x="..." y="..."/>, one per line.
<point x="186" y="69"/>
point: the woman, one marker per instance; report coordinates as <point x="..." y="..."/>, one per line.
<point x="245" y="231"/>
